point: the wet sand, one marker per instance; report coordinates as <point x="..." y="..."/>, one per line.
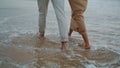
<point x="27" y="51"/>
<point x="21" y="48"/>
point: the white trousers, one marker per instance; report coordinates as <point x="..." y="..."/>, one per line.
<point x="60" y="14"/>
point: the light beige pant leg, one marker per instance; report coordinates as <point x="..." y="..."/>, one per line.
<point x="43" y="8"/>
<point x="61" y="18"/>
<point x="78" y="8"/>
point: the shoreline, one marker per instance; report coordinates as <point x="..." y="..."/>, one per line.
<point x="20" y="47"/>
<point x="26" y="49"/>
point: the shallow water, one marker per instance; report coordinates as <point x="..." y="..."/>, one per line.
<point x="21" y="48"/>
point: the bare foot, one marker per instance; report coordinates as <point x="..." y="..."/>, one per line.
<point x="87" y="46"/>
<point x="64" y="46"/>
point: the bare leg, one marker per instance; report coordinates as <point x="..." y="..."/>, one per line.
<point x="85" y="37"/>
<point x="64" y="45"/>
<point x="70" y="32"/>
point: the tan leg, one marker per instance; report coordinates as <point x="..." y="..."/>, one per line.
<point x="64" y="45"/>
<point x="86" y="40"/>
<point x="70" y="32"/>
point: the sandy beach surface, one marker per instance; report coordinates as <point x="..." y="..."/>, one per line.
<point x="21" y="48"/>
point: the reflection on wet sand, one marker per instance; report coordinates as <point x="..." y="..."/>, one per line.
<point x="27" y="51"/>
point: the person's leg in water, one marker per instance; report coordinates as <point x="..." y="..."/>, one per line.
<point x="77" y="22"/>
<point x="43" y="7"/>
<point x="86" y="40"/>
<point x="62" y="22"/>
<point x="84" y="36"/>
